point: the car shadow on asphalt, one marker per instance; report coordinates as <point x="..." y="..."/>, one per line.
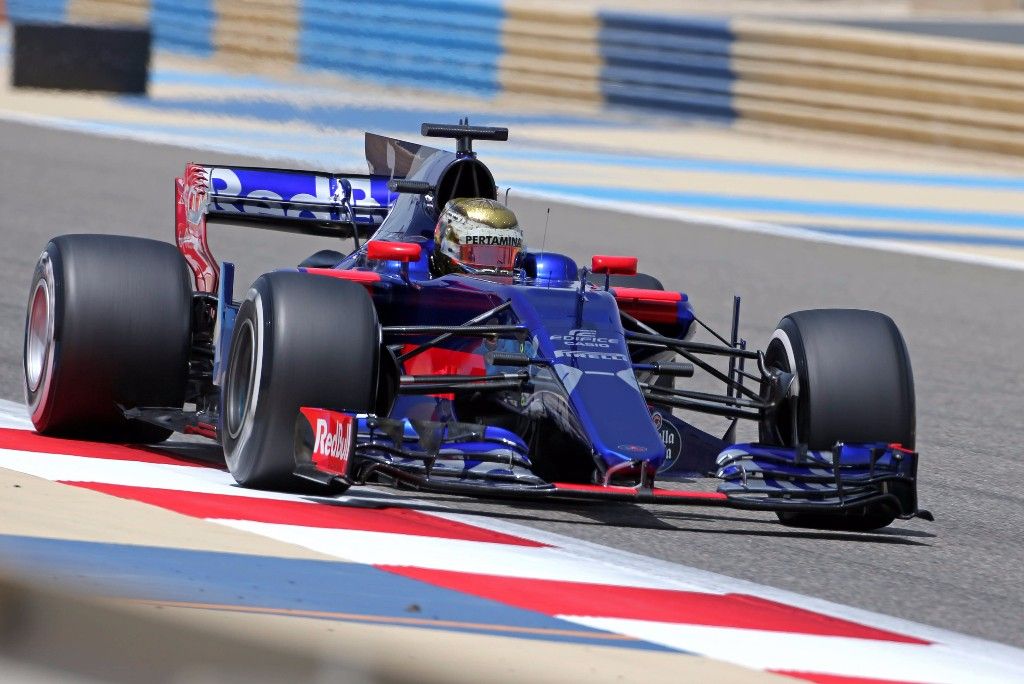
<point x="630" y="516"/>
<point x="200" y="451"/>
<point x="677" y="521"/>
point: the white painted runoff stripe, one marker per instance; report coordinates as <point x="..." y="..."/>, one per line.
<point x="197" y="479"/>
<point x="842" y="656"/>
<point x="374" y="548"/>
<point x="666" y="574"/>
<point x="199" y="140"/>
<point x="455" y="555"/>
<point x="66" y="468"/>
<point x="195" y="140"/>
<point x="14" y="415"/>
<point x="949" y="657"/>
<point x="765" y="228"/>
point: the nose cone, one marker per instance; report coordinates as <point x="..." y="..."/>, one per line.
<point x="612" y="410"/>
<point x="587" y="349"/>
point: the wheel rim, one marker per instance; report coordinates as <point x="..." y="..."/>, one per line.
<point x="777" y="356"/>
<point x="240" y="380"/>
<point x="39" y="335"/>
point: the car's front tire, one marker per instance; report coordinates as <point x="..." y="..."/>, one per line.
<point x="854" y="383"/>
<point x="298" y="340"/>
<point x="108" y="324"/>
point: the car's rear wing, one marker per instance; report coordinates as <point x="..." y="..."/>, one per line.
<point x="307" y="202"/>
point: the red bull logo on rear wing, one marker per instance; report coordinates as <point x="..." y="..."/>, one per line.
<point x="297" y="195"/>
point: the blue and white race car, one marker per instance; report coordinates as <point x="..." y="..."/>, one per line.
<point x="545" y="381"/>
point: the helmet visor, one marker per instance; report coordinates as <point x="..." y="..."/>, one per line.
<point x="501" y="257"/>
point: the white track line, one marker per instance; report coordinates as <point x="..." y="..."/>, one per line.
<point x="764" y="228"/>
<point x="659" y="212"/>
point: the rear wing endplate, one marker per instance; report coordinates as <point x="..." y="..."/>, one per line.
<point x="306" y="202"/>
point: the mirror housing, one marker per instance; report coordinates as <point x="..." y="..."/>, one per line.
<point x="613" y="265"/>
<point x="384" y="250"/>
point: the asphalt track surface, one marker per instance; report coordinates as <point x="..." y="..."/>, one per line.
<point x="963" y="324"/>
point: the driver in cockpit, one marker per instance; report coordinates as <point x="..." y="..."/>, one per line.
<point x="476" y="235"/>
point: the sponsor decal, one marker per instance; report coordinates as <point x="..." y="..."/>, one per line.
<point x="498" y="240"/>
<point x="227" y="183"/>
<point x="582" y="337"/>
<point x="671" y="438"/>
<point x="578" y="354"/>
<point x="333" y="439"/>
<point x="631" y="448"/>
<point x="332" y="444"/>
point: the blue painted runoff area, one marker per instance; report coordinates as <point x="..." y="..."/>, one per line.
<point x="918" y="236"/>
<point x="449" y="44"/>
<point x="179" y="77"/>
<point x="229" y="580"/>
<point x="37" y="10"/>
<point x="364" y="118"/>
<point x="771" y="169"/>
<point x="706" y="200"/>
<point x="695" y="27"/>
<point x="184" y="26"/>
<point x="679" y="65"/>
<point x="340" y="116"/>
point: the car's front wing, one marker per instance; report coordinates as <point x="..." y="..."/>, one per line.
<point x="479" y="460"/>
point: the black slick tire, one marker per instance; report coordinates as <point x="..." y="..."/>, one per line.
<point x="108" y="324"/>
<point x="854" y="384"/>
<point x="298" y="340"/>
<point x="641" y="281"/>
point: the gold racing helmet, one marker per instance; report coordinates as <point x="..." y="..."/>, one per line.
<point x="476" y="234"/>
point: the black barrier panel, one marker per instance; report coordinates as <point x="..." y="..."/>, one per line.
<point x="72" y="57"/>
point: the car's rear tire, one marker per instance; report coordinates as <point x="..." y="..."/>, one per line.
<point x="642" y="281"/>
<point x="299" y="340"/>
<point x="108" y="324"/>
<point x="854" y="384"/>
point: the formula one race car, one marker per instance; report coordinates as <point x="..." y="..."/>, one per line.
<point x="542" y="380"/>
